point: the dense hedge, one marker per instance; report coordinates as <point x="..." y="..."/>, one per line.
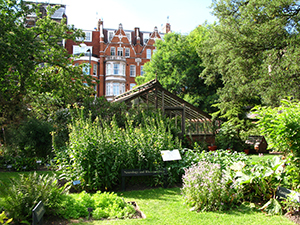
<point x="99" y="150"/>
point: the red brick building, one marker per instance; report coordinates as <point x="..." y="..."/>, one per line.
<point x="117" y="56"/>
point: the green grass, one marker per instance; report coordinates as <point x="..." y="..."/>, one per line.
<point x="166" y="206"/>
<point x="257" y="158"/>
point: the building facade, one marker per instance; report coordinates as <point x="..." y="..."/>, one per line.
<point x="116" y="56"/>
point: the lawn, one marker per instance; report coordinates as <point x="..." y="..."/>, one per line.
<point x="257" y="158"/>
<point x="166" y="206"/>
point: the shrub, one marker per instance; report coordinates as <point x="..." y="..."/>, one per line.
<point x="31" y="139"/>
<point x="206" y="189"/>
<point x="98" y="150"/>
<point x="104" y="205"/>
<point x="222" y="157"/>
<point x="22" y="195"/>
<point x="281" y="125"/>
<point x="260" y="180"/>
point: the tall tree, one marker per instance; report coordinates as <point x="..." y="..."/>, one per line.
<point x="33" y="63"/>
<point x="255" y="47"/>
<point x="177" y="66"/>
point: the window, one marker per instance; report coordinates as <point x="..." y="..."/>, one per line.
<point x="132" y="70"/>
<point x="86" y="69"/>
<point x="124" y="70"/>
<point x="148" y="53"/>
<point x="108" y="68"/>
<point x="112" y="51"/>
<point x="127" y="52"/>
<point x="116" y="68"/>
<point x="78" y="49"/>
<point x="128" y="35"/>
<point x="146" y="37"/>
<point x="120" y="51"/>
<point x="88" y="37"/>
<point x="142" y="70"/>
<point x="108" y="89"/>
<point x="132" y="85"/>
<point x="95" y="69"/>
<point x="116" y="88"/>
<point x="110" y="35"/>
<point x="76" y="64"/>
<point x="122" y="88"/>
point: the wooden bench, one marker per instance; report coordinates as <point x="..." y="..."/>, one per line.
<point x="137" y="172"/>
<point x="37" y="213"/>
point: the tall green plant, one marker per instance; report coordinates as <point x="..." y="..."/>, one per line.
<point x="22" y="195"/>
<point x="99" y="150"/>
<point x="281" y="126"/>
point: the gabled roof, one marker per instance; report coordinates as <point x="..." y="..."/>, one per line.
<point x="153" y="93"/>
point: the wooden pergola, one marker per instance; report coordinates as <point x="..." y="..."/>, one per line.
<point x="193" y="120"/>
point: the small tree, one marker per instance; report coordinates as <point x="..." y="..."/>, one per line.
<point x="281" y="126"/>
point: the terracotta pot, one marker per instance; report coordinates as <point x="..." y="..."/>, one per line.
<point x="247" y="151"/>
<point x="212" y="148"/>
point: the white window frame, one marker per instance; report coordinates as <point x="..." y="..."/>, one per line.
<point x="142" y="71"/>
<point x="146" y="37"/>
<point x="127" y="52"/>
<point x="108" y="68"/>
<point x="122" y="88"/>
<point x="116" y="89"/>
<point x="95" y="67"/>
<point x="148" y="53"/>
<point x="120" y="51"/>
<point x="88" y="37"/>
<point x="110" y="35"/>
<point x="116" y="68"/>
<point x="77" y="49"/>
<point x="128" y="35"/>
<point x="112" y="51"/>
<point x="124" y="69"/>
<point x="132" y="70"/>
<point x="108" y="89"/>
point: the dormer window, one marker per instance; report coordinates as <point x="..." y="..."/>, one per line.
<point x="88" y="37"/>
<point x="112" y="51"/>
<point x="110" y="35"/>
<point x="146" y="37"/>
<point x="120" y="51"/>
<point x="128" y="35"/>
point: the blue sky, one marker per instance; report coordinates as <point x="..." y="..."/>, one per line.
<point x="184" y="15"/>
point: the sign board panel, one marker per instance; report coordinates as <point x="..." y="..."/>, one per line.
<point x="284" y="193"/>
<point x="170" y="155"/>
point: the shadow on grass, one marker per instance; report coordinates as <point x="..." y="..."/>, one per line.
<point x="165" y="194"/>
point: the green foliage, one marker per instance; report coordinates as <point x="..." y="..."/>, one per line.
<point x="35" y="70"/>
<point x="31" y="139"/>
<point x="98" y="150"/>
<point x="253" y="47"/>
<point x="177" y="66"/>
<point x="260" y="181"/>
<point x="272" y="207"/>
<point x="3" y="219"/>
<point x="281" y="126"/>
<point x="228" y="138"/>
<point x="24" y="193"/>
<point x="104" y="205"/>
<point x="18" y="163"/>
<point x="221" y="157"/>
<point x="206" y="188"/>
